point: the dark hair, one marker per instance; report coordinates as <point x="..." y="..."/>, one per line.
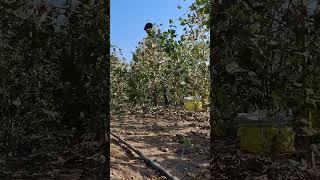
<point x="148" y="26"/>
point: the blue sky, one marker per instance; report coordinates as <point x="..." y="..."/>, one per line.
<point x="128" y="17"/>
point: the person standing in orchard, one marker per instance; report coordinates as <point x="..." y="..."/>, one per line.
<point x="151" y="32"/>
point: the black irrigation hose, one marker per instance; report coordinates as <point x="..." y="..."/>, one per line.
<point x="147" y="160"/>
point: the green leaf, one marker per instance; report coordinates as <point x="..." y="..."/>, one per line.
<point x="233" y="67"/>
<point x="275" y="94"/>
<point x="17" y="102"/>
<point x="186" y="142"/>
<point x="309" y="131"/>
<point x="192" y="7"/>
<point x="253" y="28"/>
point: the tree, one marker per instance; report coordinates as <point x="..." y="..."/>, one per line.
<point x="266" y="57"/>
<point x="119" y="77"/>
<point x="181" y="64"/>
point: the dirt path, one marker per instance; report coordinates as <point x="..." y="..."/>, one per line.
<point x="177" y="139"/>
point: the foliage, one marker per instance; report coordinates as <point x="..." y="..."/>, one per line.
<point x="119" y="88"/>
<point x="265" y="56"/>
<point x="53" y="71"/>
<point x="179" y="64"/>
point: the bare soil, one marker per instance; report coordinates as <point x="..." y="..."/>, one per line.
<point x="177" y="139"/>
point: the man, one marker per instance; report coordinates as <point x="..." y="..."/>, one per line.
<point x="151" y="32"/>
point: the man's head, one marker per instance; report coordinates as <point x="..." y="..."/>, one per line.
<point x="149" y="29"/>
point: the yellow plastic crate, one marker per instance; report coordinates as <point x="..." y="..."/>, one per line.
<point x="264" y="140"/>
<point x="192" y="104"/>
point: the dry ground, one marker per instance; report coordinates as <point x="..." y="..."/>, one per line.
<point x="177" y="139"/>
